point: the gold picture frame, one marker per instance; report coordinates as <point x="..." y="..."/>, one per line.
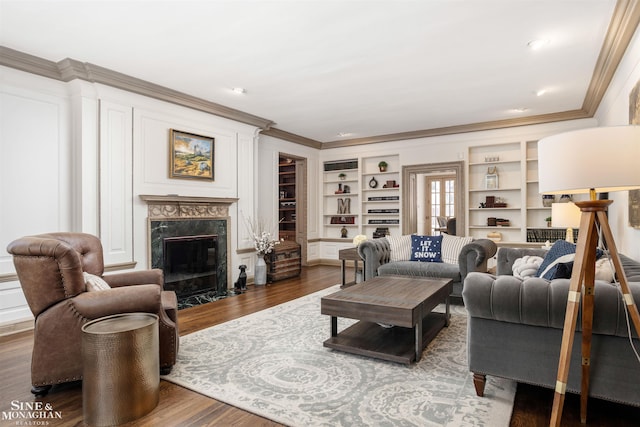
<point x="191" y="156"/>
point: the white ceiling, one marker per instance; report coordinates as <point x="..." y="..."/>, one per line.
<point x="318" y="68"/>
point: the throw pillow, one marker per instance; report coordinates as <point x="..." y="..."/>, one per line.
<point x="400" y="248"/>
<point x="561" y="252"/>
<point x="604" y="271"/>
<point x="426" y="248"/>
<point x="95" y="283"/>
<point x="558" y="263"/>
<point x="526" y="267"/>
<point x="452" y="246"/>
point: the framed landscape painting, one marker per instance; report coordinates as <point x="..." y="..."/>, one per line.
<point x="190" y="156"/>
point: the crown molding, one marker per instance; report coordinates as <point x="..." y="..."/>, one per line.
<point x="624" y="23"/>
<point x="70" y="69"/>
<point x="458" y="129"/>
<point x="292" y="137"/>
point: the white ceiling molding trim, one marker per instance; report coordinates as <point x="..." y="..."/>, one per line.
<point x="69" y="69"/>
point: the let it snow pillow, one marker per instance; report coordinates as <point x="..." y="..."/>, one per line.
<point x="426" y="248"/>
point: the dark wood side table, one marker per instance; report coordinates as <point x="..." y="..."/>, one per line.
<point x="350" y="254"/>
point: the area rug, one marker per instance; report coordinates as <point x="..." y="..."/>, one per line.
<point x="272" y="363"/>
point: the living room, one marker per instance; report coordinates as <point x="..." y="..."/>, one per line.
<point x="93" y="149"/>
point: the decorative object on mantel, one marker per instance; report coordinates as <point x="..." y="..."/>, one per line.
<point x="264" y="244"/>
<point x="190" y="156"/>
<point x="344" y="232"/>
<point x="491" y="178"/>
<point x="383" y="166"/>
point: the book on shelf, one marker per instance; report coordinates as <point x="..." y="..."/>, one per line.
<point x="384" y="211"/>
<point x="343" y="219"/>
<point x="382" y="198"/>
<point x="384" y="221"/>
<point x="381" y="232"/>
<point x="541" y="235"/>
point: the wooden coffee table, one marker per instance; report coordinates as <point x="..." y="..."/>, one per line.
<point x="405" y="302"/>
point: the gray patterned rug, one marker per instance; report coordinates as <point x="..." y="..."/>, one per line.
<point x="272" y="363"/>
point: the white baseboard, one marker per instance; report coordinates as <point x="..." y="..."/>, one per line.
<point x="16" y="327"/>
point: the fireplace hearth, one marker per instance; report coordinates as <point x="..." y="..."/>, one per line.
<point x="188" y="239"/>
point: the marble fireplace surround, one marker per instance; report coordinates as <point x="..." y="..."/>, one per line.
<point x="174" y="216"/>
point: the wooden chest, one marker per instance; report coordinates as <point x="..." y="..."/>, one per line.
<point x="284" y="261"/>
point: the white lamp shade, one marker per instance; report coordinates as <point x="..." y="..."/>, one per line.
<point x="565" y="215"/>
<point x="603" y="159"/>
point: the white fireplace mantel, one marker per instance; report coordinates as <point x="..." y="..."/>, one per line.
<point x="175" y="206"/>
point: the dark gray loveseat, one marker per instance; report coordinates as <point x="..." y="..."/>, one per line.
<point x="515" y="331"/>
<point x="472" y="257"/>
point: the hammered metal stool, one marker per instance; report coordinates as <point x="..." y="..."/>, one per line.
<point x="121" y="368"/>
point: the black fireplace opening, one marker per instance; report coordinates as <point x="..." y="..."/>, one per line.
<point x="190" y="265"/>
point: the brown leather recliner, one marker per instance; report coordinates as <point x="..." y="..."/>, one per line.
<point x="50" y="269"/>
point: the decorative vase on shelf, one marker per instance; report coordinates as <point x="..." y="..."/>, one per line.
<point x="260" y="273"/>
<point x="565" y="198"/>
<point x="548" y="200"/>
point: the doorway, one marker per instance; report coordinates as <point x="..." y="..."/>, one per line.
<point x="439" y="203"/>
<point x="292" y="201"/>
<point x="418" y="208"/>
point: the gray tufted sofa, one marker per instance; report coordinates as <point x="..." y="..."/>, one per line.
<point x="473" y="257"/>
<point x="515" y="331"/>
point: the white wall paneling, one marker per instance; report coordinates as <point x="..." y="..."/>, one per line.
<point x="35" y="177"/>
<point x="116" y="168"/>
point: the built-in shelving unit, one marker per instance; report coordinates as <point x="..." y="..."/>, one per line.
<point x="341" y="202"/>
<point x="360" y="198"/>
<point x="380" y="196"/>
<point x="504" y="161"/>
<point x="516" y="165"/>
<point x="287" y="203"/>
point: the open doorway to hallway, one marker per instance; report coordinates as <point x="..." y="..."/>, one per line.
<point x="431" y="191"/>
<point x="292" y="201"/>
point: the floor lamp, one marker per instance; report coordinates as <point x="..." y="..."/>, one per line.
<point x="588" y="161"/>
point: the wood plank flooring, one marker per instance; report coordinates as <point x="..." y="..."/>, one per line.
<point x="181" y="407"/>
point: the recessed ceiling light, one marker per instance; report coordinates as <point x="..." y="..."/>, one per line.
<point x="540" y="92"/>
<point x="239" y="90"/>
<point x="537" y="43"/>
<point x="520" y="110"/>
<point x="344" y="134"/>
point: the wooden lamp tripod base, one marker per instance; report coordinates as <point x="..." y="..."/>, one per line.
<point x="593" y="213"/>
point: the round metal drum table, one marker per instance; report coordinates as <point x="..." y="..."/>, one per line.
<point x="121" y="368"/>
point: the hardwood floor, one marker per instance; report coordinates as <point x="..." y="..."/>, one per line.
<point x="181" y="407"/>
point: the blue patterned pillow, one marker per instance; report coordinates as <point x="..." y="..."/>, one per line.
<point x="561" y="252"/>
<point x="558" y="263"/>
<point x="426" y="248"/>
